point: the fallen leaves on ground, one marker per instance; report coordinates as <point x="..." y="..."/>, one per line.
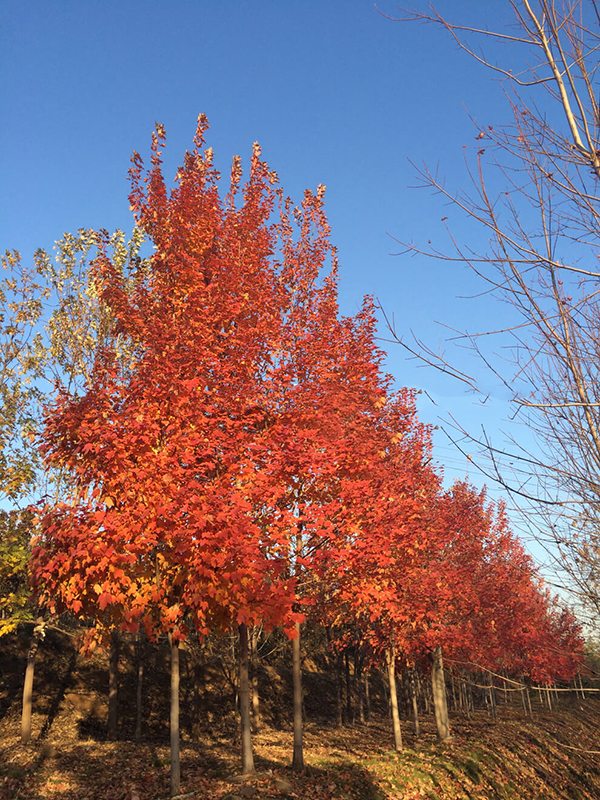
<point x="516" y="758"/>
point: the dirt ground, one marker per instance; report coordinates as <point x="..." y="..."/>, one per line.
<point x="555" y="755"/>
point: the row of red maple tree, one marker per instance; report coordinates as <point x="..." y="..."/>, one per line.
<point x="240" y="458"/>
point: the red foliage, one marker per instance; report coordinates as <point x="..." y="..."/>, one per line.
<point x="166" y="448"/>
<point x="239" y="451"/>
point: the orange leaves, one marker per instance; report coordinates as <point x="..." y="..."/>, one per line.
<point x="249" y="454"/>
<point x="104" y="599"/>
<point x="165" y="456"/>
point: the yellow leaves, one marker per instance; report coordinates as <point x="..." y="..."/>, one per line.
<point x="380" y="401"/>
<point x="22" y="359"/>
<point x="7" y="626"/>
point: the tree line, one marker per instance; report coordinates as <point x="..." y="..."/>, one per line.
<point x="223" y="450"/>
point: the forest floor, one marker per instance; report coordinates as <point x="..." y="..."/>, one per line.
<point x="554" y="755"/>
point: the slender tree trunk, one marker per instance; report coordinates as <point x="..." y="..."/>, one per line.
<point x="493" y="706"/>
<point x="38" y="633"/>
<point x="338" y="681"/>
<point x="528" y="698"/>
<point x="256" y="720"/>
<point x="367" y="696"/>
<point x="247" y="755"/>
<point x="113" y="685"/>
<point x="339" y="691"/>
<point x="349" y="714"/>
<point x="140" y="679"/>
<point x="298" y="756"/>
<point x="438" y="688"/>
<point x="423" y="691"/>
<point x="467" y="696"/>
<point x="391" y="667"/>
<point x="415" y="705"/>
<point x="175" y="761"/>
<point x="581" y="687"/>
<point x="358" y="680"/>
<point x="196" y="722"/>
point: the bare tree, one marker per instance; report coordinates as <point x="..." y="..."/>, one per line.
<point x="542" y="224"/>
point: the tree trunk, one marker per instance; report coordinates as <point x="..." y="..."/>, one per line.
<point x="438" y="688"/>
<point x="493" y="707"/>
<point x="339" y="690"/>
<point x="367" y="696"/>
<point x="465" y="696"/>
<point x="175" y="762"/>
<point x="247" y="755"/>
<point x="140" y="680"/>
<point x="198" y="697"/>
<point x="113" y="685"/>
<point x="38" y="633"/>
<point x="391" y="666"/>
<point x="298" y="757"/>
<point x="415" y="705"/>
<point x="358" y="679"/>
<point x="424" y="692"/>
<point x="256" y="720"/>
<point x="522" y="693"/>
<point x="349" y="714"/>
<point x="338" y="681"/>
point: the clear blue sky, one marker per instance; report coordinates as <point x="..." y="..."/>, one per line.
<point x="335" y="94"/>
